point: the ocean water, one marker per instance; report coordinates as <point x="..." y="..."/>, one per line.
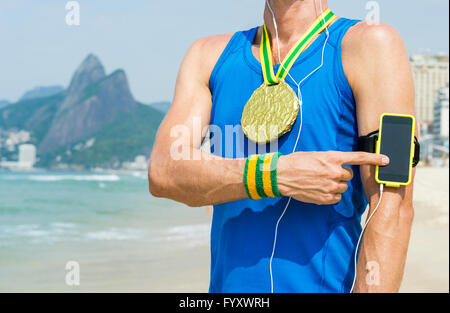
<point x="109" y="223"/>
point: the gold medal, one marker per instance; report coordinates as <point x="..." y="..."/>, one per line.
<point x="270" y="112"/>
<point x="273" y="107"/>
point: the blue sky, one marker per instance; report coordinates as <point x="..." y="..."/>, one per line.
<point x="148" y="38"/>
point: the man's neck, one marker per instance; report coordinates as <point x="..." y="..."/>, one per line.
<point x="293" y="18"/>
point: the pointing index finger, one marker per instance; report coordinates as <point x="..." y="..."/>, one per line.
<point x="363" y="158"/>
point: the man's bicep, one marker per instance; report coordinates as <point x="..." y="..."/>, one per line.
<point x="378" y="69"/>
<point x="379" y="72"/>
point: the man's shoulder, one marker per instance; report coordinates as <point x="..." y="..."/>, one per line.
<point x="215" y="41"/>
<point x="369" y="49"/>
<point x="370" y="45"/>
<point x="204" y="53"/>
<point x="371" y="36"/>
<point x="211" y="47"/>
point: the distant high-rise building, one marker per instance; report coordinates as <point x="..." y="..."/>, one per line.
<point x="430" y="74"/>
<point x="441" y="115"/>
<point x="27" y="155"/>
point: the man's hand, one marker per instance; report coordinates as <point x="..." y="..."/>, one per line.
<point x="319" y="177"/>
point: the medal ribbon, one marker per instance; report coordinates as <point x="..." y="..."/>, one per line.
<point x="265" y="52"/>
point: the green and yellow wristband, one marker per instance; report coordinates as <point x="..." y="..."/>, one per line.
<point x="260" y="176"/>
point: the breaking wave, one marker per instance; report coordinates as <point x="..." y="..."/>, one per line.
<point x="53" y="178"/>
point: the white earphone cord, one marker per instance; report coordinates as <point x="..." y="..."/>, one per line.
<point x="299" y="94"/>
<point x="362" y="232"/>
<point x="296" y="142"/>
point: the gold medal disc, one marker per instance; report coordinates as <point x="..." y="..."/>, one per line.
<point x="270" y="112"/>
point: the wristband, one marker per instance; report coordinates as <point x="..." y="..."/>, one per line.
<point x="260" y="176"/>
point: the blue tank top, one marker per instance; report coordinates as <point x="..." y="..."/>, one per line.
<point x="315" y="244"/>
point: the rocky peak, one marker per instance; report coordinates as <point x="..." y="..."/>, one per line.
<point x="90" y="71"/>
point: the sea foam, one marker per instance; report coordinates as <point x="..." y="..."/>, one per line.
<point x="52" y="178"/>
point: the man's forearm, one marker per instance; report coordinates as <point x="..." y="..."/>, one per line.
<point x="202" y="180"/>
<point x="205" y="179"/>
<point x="384" y="246"/>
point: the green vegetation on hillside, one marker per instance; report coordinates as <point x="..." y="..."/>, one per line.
<point x="28" y="114"/>
<point x="122" y="140"/>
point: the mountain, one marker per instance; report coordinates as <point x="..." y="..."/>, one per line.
<point x="42" y="92"/>
<point x="34" y="115"/>
<point x="162" y="106"/>
<point x="3" y="103"/>
<point x="95" y="122"/>
<point x="93" y="100"/>
<point x="119" y="141"/>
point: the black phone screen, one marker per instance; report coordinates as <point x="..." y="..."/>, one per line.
<point x="396" y="144"/>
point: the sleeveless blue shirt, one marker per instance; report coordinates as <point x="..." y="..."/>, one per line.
<point x="315" y="244"/>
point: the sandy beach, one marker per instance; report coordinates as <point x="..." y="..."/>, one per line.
<point x="427" y="266"/>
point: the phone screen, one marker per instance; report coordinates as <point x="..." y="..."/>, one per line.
<point x="396" y="144"/>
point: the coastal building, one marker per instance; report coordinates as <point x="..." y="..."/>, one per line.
<point x="441" y="116"/>
<point x="431" y="73"/>
<point x="140" y="163"/>
<point x="27" y="155"/>
<point x="26" y="159"/>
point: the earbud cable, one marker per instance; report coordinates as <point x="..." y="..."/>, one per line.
<point x="361" y="235"/>
<point x="299" y="94"/>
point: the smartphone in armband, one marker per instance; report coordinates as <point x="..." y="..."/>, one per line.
<point x="396" y="140"/>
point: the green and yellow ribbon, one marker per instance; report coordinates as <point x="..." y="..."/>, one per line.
<point x="260" y="176"/>
<point x="265" y="52"/>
